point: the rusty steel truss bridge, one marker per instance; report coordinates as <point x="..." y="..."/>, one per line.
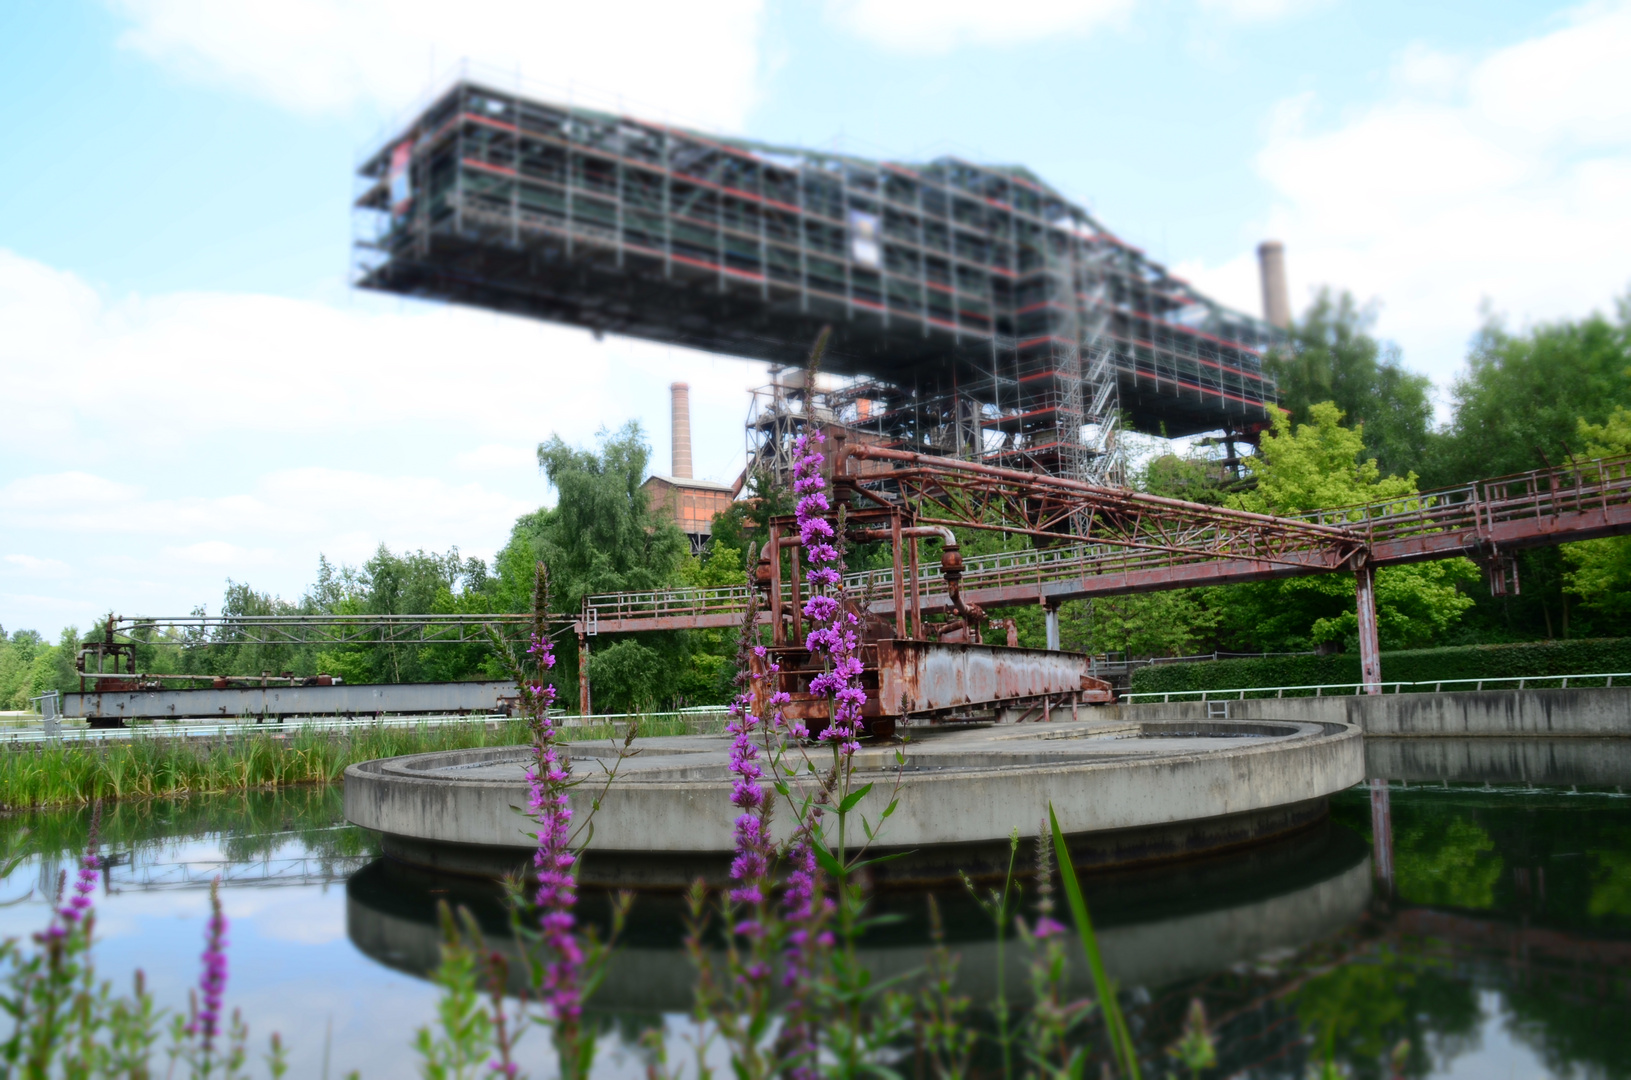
<point x="1102" y="541"/>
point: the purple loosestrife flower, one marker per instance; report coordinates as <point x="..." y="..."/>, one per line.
<point x="835" y="632"/>
<point x="212" y="980"/>
<point x="548" y="782"/>
<point x="1046" y="927"/>
<point x="75" y="909"/>
<point x="751" y="865"/>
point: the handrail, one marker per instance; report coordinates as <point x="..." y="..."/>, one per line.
<point x="1355" y="689"/>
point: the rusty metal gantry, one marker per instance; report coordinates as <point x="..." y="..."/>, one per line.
<point x="1097" y="541"/>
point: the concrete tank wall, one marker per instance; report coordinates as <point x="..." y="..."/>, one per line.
<point x="1604" y="712"/>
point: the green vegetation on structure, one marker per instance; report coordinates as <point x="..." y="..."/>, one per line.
<point x="1537" y="659"/>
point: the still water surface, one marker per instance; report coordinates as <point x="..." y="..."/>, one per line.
<point x="1501" y="947"/>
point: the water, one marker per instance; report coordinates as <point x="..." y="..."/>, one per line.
<point x="1502" y="947"/>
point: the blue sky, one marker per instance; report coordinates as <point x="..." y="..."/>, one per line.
<point x="196" y="394"/>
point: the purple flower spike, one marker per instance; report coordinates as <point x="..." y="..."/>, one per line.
<point x="548" y="781"/>
<point x="212" y="980"/>
<point x="835" y="632"/>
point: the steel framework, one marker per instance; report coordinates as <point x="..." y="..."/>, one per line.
<point x="1137" y="542"/>
<point x="984" y="315"/>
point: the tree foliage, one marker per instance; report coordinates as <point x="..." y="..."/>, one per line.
<point x="601" y="537"/>
<point x="1599" y="571"/>
<point x="1333" y="357"/>
<point x="1320" y="465"/>
<point x="1521" y="402"/>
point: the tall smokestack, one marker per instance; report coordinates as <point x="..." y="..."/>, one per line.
<point x="681" y="396"/>
<point x="1271" y="263"/>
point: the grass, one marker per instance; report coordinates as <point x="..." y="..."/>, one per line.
<point x="148" y="766"/>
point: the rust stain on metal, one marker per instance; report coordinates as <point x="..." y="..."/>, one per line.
<point x="923" y="676"/>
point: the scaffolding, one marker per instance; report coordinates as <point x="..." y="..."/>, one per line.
<point x="976" y="312"/>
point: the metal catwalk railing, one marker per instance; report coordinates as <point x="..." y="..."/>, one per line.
<point x="1599" y="680"/>
<point x="1546" y="506"/>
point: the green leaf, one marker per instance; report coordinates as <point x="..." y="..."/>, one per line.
<point x="829" y="861"/>
<point x="890" y="809"/>
<point x="881" y="859"/>
<point x="1120" y="1040"/>
<point x="852" y="798"/>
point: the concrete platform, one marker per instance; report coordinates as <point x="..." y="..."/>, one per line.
<point x="1124" y="792"/>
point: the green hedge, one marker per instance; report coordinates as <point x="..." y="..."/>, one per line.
<point x="1530" y="658"/>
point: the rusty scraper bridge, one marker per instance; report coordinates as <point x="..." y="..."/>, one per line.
<point x="922" y="638"/>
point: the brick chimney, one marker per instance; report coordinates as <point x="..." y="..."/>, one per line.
<point x="681" y="401"/>
<point x="1271" y="265"/>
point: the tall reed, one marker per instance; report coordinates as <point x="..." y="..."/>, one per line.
<point x="70" y="773"/>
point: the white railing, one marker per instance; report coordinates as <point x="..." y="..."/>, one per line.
<point x="1352" y="689"/>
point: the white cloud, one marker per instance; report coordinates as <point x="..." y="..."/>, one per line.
<point x="177" y="373"/>
<point x="174" y="441"/>
<point x="1501" y="178"/>
<point x="1258" y="10"/>
<point x="1419" y="67"/>
<point x="495" y="456"/>
<point x="37" y="567"/>
<point x="937" y="25"/>
<point x="698" y="60"/>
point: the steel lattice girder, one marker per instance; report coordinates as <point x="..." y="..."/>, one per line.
<point x="1144" y="543"/>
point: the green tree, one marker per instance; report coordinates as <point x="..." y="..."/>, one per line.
<point x="1599" y="571"/>
<point x="602" y="537"/>
<point x="1173" y="622"/>
<point x="24" y="662"/>
<point x="1332" y="356"/>
<point x="1523" y="397"/>
<point x="1320" y="465"/>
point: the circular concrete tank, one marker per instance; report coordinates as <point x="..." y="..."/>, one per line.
<point x="1123" y="792"/>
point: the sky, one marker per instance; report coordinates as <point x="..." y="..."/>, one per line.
<point x="193" y="392"/>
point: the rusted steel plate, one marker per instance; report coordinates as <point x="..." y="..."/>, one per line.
<point x="923" y="676"/>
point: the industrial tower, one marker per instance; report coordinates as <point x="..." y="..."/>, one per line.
<point x="976" y="312"/>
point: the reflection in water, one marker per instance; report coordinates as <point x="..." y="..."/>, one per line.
<point x="1599" y="763"/>
<point x="1503" y="946"/>
<point x="1155" y="925"/>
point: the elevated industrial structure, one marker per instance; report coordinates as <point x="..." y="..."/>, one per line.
<point x="978" y="312"/>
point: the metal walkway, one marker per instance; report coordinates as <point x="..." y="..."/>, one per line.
<point x="1158" y="544"/>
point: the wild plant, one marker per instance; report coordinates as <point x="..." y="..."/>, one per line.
<point x="945" y="1039"/>
<point x="564" y="963"/>
<point x="65" y="1022"/>
<point x="999" y="908"/>
<point x="1123" y="1052"/>
<point x="1052" y="1019"/>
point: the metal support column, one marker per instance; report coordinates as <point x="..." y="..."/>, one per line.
<point x="1370" y="648"/>
<point x="1052" y="613"/>
<point x="901" y="628"/>
<point x="585" y="707"/>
